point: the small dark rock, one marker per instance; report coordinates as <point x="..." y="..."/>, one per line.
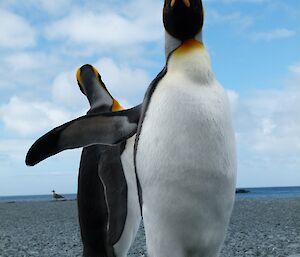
<point x="242" y="191"/>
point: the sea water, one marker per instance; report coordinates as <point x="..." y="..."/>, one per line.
<point x="35" y="198"/>
<point x="271" y="192"/>
<point x="259" y="192"/>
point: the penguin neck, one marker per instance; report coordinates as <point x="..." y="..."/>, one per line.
<point x="99" y="99"/>
<point x="171" y="43"/>
<point x="191" y="60"/>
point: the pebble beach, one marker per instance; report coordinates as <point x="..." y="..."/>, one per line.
<point x="258" y="227"/>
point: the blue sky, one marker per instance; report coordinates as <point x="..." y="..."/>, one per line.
<point x="254" y="46"/>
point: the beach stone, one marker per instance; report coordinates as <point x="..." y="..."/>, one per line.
<point x="294" y="246"/>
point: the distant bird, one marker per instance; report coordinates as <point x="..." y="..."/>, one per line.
<point x="56" y="196"/>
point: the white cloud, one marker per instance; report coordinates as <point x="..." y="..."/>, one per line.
<point x="27" y="117"/>
<point x="65" y="91"/>
<point x="233" y="99"/>
<point x="274" y="34"/>
<point x="295" y="68"/>
<point x="268" y="121"/>
<point x="14" y="149"/>
<point x="239" y="20"/>
<point x="123" y="81"/>
<point x="29" y="68"/>
<point x="267" y="125"/>
<point x="54" y="8"/>
<point x="108" y="30"/>
<point x="15" y="31"/>
<point x="24" y="61"/>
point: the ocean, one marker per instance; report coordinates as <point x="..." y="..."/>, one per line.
<point x="270" y="192"/>
<point x="35" y="198"/>
<point x="259" y="192"/>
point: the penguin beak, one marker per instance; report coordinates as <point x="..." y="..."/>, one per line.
<point x="186" y="2"/>
<point x="183" y="19"/>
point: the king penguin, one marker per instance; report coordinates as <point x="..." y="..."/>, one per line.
<point x="188" y="162"/>
<point x="108" y="205"/>
<point x="184" y="152"/>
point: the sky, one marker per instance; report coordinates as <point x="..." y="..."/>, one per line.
<point x="255" y="51"/>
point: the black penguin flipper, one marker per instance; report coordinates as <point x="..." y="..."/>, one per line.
<point x="92" y="209"/>
<point x="146" y="103"/>
<point x="106" y="128"/>
<point x="110" y="171"/>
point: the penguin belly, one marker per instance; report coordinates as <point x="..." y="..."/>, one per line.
<point x="186" y="167"/>
<point x="133" y="217"/>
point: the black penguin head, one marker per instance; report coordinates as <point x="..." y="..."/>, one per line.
<point x="183" y="19"/>
<point x="91" y="84"/>
<point x="87" y="75"/>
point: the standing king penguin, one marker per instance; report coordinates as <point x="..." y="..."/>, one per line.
<point x="108" y="205"/>
<point x="185" y="147"/>
<point x="185" y="157"/>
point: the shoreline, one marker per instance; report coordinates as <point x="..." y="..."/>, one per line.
<point x="259" y="227"/>
<point x="40" y="201"/>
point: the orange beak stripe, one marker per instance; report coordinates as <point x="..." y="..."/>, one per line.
<point x="186" y="2"/>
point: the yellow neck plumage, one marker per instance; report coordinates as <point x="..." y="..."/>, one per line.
<point x="116" y="106"/>
<point x="189" y="45"/>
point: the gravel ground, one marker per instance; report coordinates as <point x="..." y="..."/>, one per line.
<point x="260" y="227"/>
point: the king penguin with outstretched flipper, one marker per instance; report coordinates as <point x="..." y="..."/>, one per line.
<point x="108" y="205"/>
<point x="185" y="155"/>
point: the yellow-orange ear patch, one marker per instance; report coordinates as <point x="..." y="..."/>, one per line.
<point x="116" y="106"/>
<point x="95" y="71"/>
<point x="189" y="45"/>
<point x="97" y="74"/>
<point x="78" y="77"/>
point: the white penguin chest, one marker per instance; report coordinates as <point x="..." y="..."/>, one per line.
<point x="186" y="165"/>
<point x="187" y="128"/>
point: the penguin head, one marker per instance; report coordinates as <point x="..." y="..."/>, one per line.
<point x="87" y="76"/>
<point x="91" y="85"/>
<point x="183" y="19"/>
